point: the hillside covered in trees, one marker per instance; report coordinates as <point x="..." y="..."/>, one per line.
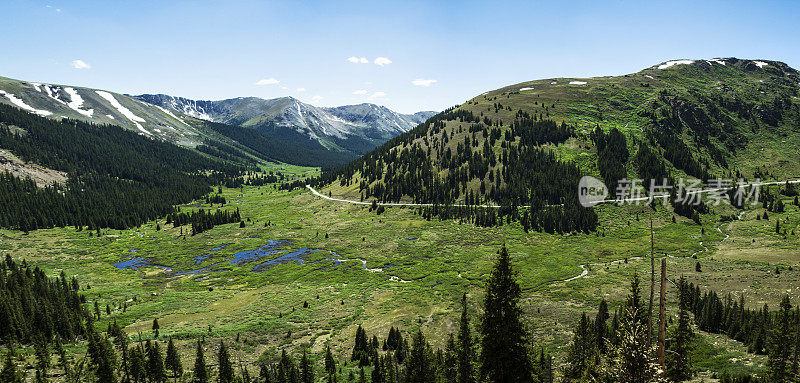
<point x="116" y="178"/>
<point x="529" y="144"/>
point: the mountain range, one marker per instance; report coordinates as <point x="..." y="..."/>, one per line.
<point x="352" y="128"/>
<point x="325" y="135"/>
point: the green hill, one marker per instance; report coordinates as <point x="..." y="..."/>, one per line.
<point x="529" y="143"/>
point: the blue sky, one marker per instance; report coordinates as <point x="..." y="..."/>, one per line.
<point x="223" y="49"/>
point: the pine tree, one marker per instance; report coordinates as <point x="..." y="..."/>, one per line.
<point x="200" y="371"/>
<point x="225" y="367"/>
<point x="779" y="346"/>
<point x="582" y="352"/>
<point x="330" y="363"/>
<point x="632" y="361"/>
<point x="306" y="369"/>
<point x="173" y="361"/>
<point x="504" y="356"/>
<point x="679" y="364"/>
<point x="42" y="351"/>
<point x="449" y="369"/>
<point x="465" y="349"/>
<point x="601" y="327"/>
<point x="419" y="366"/>
<point x="361" y="348"/>
<point x="155" y="363"/>
<point x="156" y="327"/>
<point x="137" y="365"/>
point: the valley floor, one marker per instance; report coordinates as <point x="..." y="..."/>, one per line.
<point x="350" y="266"/>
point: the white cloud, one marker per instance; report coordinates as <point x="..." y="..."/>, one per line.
<point x="423" y="82"/>
<point x="301" y="89"/>
<point x="284" y="87"/>
<point x="360" y="92"/>
<point x="316" y="98"/>
<point x="80" y="64"/>
<point x="358" y="60"/>
<point x="378" y="95"/>
<point x="267" y="81"/>
<point x="381" y="61"/>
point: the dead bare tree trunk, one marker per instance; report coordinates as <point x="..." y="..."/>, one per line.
<point x="662" y="315"/>
<point x="652" y="283"/>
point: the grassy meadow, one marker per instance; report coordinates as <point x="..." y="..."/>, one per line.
<point x="397" y="269"/>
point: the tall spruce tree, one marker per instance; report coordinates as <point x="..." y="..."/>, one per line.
<point x="504" y="355"/>
<point x="679" y="364"/>
<point x="419" y="366"/>
<point x="200" y="374"/>
<point x="155" y="363"/>
<point x="633" y="361"/>
<point x="330" y="362"/>
<point x="173" y="361"/>
<point x="226" y="373"/>
<point x="582" y="355"/>
<point x="780" y="344"/>
<point x="601" y="327"/>
<point x="306" y="368"/>
<point x="465" y="348"/>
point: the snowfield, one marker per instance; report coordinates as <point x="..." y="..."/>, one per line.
<point x="523" y="89"/>
<point x="675" y="62"/>
<point x="76" y="102"/>
<point x="123" y="110"/>
<point x="760" y="64"/>
<point x="577" y="82"/>
<point x="22" y="105"/>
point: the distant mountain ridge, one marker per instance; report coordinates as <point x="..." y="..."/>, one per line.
<point x="100" y="107"/>
<point x="351" y="128"/>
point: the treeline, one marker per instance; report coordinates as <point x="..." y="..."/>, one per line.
<point x="116" y="178"/>
<point x="34" y="307"/>
<point x="202" y="220"/>
<point x="754" y="328"/>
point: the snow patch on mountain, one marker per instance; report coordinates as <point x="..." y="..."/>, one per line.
<point x="53" y="92"/>
<point x="675" y="62"/>
<point x="760" y="64"/>
<point x="76" y="101"/>
<point x="577" y="82"/>
<point x="21" y="104"/>
<point x="123" y="110"/>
